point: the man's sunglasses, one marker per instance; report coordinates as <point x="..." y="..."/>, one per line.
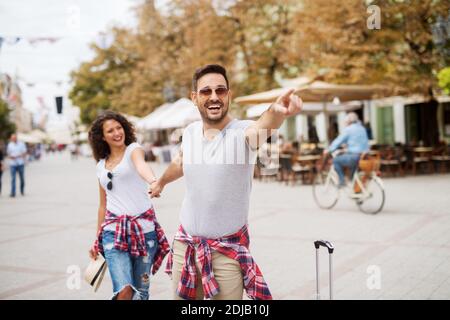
<point x="220" y="92"/>
<point x="109" y="185"/>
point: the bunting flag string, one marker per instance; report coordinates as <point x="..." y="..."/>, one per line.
<point x="31" y="40"/>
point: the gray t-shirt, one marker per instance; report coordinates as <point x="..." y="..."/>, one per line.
<point x="218" y="177"/>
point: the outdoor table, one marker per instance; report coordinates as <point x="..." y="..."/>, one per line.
<point x="423" y="149"/>
<point x="308" y="161"/>
<point x="309" y="158"/>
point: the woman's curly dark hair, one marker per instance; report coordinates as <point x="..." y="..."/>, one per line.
<point x="100" y="148"/>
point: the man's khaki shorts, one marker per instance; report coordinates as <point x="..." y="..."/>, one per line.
<point x="227" y="272"/>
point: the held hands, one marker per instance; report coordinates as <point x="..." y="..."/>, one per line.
<point x="288" y="104"/>
<point x="155" y="189"/>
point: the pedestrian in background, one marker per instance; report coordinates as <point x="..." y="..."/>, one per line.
<point x="16" y="151"/>
<point x="128" y="234"/>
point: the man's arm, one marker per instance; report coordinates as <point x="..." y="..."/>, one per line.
<point x="286" y="105"/>
<point x="338" y="141"/>
<point x="8" y="153"/>
<point x="173" y="172"/>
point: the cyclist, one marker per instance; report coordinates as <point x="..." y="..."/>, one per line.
<point x="355" y="138"/>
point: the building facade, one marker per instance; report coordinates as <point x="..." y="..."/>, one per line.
<point x="11" y="93"/>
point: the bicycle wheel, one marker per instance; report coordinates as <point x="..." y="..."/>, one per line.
<point x="325" y="190"/>
<point x="374" y="201"/>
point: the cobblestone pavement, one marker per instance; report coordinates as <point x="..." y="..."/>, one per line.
<point x="401" y="253"/>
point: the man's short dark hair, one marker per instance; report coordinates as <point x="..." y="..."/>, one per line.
<point x="209" y="68"/>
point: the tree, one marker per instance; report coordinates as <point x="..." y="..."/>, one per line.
<point x="97" y="82"/>
<point x="257" y="41"/>
<point x="401" y="54"/>
<point x="419" y="59"/>
<point x="6" y="126"/>
<point x="262" y="34"/>
<point x="172" y="47"/>
<point x="444" y="80"/>
<point x="154" y="63"/>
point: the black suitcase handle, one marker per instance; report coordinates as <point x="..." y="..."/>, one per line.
<point x="324" y="243"/>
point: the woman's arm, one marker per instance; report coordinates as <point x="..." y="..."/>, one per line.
<point x="144" y="170"/>
<point x="100" y="217"/>
<point x="101" y="207"/>
<point x="173" y="172"/>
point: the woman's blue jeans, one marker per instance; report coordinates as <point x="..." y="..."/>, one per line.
<point x="127" y="270"/>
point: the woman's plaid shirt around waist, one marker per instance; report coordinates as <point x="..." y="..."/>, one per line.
<point x="129" y="226"/>
<point x="234" y="246"/>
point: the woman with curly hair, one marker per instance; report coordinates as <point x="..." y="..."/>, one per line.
<point x="128" y="234"/>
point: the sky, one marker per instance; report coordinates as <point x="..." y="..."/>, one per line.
<point x="43" y="68"/>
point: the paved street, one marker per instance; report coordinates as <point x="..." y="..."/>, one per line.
<point x="401" y="253"/>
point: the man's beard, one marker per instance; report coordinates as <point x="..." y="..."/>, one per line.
<point x="213" y="120"/>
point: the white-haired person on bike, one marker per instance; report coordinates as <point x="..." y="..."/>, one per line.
<point x="355" y="138"/>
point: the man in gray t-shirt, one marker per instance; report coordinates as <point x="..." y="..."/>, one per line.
<point x="218" y="175"/>
<point x="217" y="159"/>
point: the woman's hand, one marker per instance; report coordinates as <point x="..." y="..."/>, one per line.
<point x="93" y="253"/>
<point x="155" y="189"/>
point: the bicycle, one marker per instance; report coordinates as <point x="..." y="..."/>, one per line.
<point x="366" y="188"/>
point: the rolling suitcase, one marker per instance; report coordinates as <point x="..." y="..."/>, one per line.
<point x="330" y="247"/>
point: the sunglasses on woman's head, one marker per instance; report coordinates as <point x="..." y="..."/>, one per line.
<point x="109" y="185"/>
<point x="220" y="92"/>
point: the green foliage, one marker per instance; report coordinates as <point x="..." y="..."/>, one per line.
<point x="258" y="40"/>
<point x="6" y="126"/>
<point x="444" y="80"/>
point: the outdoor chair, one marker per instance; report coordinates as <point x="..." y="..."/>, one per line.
<point x="421" y="157"/>
<point x="286" y="168"/>
<point x="268" y="170"/>
<point x="392" y="161"/>
<point x="304" y="171"/>
<point x="441" y="157"/>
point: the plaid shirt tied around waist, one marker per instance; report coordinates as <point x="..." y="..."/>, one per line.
<point x="136" y="234"/>
<point x="234" y="246"/>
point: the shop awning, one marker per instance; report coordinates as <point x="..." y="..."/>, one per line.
<point x="151" y="120"/>
<point x="309" y="108"/>
<point x="183" y="112"/>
